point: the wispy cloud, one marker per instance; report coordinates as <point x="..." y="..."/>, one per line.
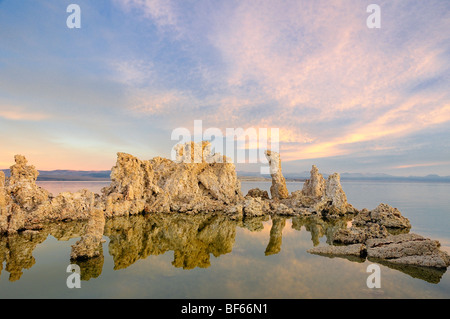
<point x="310" y="68"/>
<point x="14" y="113"/>
<point x="133" y="73"/>
<point x="161" y="12"/>
<point x="422" y="165"/>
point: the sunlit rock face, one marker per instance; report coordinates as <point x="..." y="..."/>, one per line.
<point x="278" y="190"/>
<point x="355" y="235"/>
<point x="383" y="215"/>
<point x="256" y="192"/>
<point x="132" y="186"/>
<point x="321" y="197"/>
<point x="26" y="203"/>
<point x="315" y="186"/>
<point x="200" y="182"/>
<point x="73" y="206"/>
<point x="4" y="201"/>
<point x="22" y="186"/>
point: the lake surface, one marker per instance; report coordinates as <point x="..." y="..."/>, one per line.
<point x="210" y="256"/>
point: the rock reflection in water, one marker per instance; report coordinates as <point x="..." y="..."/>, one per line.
<point x="16" y="250"/>
<point x="274" y="246"/>
<point x="319" y="227"/>
<point x="192" y="238"/>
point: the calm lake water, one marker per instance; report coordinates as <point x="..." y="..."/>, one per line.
<point x="210" y="256"/>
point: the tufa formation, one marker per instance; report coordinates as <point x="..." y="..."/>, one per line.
<point x="200" y="181"/>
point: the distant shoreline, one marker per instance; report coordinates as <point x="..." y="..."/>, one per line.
<point x="262" y="179"/>
<point x="104" y="176"/>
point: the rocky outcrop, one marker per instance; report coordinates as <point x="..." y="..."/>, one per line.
<point x="4" y="201"/>
<point x="200" y="181"/>
<point x="325" y="198"/>
<point x="26" y="204"/>
<point x="254" y="207"/>
<point x="74" y="206"/>
<point x="278" y="190"/>
<point x="402" y="249"/>
<point x="315" y="186"/>
<point x="132" y="187"/>
<point x="256" y="192"/>
<point x="383" y="215"/>
<point x="355" y="235"/>
<point x="371" y="229"/>
<point x="408" y="249"/>
<point x="22" y="186"/>
<point x="195" y="184"/>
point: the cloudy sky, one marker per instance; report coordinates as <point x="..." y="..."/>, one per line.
<point x="345" y="97"/>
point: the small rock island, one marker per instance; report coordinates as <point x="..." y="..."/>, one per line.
<point x="199" y="181"/>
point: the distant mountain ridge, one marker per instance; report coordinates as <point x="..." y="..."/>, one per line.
<point x="70" y="175"/>
<point x="73" y="175"/>
<point x="356" y="177"/>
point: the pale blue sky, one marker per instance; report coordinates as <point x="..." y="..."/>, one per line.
<point x="346" y="97"/>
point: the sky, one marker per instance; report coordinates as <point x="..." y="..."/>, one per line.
<point x="345" y="97"/>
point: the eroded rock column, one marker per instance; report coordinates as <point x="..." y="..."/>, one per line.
<point x="278" y="190"/>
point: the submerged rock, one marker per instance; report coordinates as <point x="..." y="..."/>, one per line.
<point x="350" y="250"/>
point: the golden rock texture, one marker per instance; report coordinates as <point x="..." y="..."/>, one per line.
<point x="324" y="198"/>
<point x="278" y="190"/>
